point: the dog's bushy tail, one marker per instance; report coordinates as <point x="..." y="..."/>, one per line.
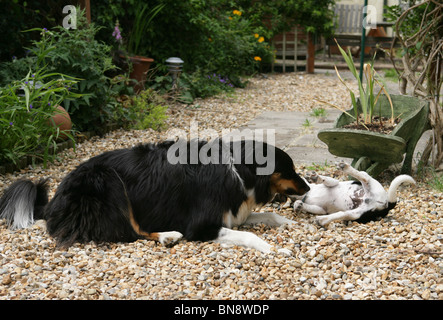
<point x="23" y="202"/>
<point x="392" y="192"/>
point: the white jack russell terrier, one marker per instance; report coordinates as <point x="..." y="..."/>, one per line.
<point x="363" y="200"/>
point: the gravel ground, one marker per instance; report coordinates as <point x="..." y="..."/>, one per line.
<point x="399" y="257"/>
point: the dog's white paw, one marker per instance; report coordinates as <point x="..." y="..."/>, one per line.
<point x="298" y="205"/>
<point x="170" y="238"/>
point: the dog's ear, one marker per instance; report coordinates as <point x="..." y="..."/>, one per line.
<point x="292" y="186"/>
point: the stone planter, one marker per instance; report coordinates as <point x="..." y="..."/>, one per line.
<point x="374" y="152"/>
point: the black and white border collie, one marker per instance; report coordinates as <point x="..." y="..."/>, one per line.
<point x="363" y="200"/>
<point x="129" y="194"/>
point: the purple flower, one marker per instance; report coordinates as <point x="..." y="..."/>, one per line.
<point x="11" y="123"/>
<point x="49" y="103"/>
<point x="45" y="30"/>
<point x="116" y="34"/>
<point x="30" y="106"/>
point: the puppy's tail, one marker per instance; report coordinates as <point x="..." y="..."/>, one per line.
<point x="392" y="192"/>
<point x="23" y="202"/>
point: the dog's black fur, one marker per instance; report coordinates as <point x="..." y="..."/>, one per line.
<point x="128" y="194"/>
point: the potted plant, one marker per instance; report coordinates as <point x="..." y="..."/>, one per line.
<point x="401" y="120"/>
<point x="140" y="64"/>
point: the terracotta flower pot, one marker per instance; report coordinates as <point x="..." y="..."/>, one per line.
<point x="140" y="67"/>
<point x="62" y="120"/>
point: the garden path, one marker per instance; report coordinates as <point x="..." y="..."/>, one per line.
<point x="399" y="257"/>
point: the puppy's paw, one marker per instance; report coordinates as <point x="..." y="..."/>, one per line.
<point x="169" y="239"/>
<point x="311" y="177"/>
<point x="323" y="220"/>
<point x="342" y="165"/>
<point x="298" y="205"/>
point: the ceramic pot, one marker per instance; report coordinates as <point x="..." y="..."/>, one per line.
<point x="62" y="120"/>
<point x="140" y="66"/>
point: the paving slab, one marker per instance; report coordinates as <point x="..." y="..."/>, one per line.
<point x="296" y="133"/>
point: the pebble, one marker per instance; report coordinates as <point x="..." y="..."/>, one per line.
<point x="398" y="257"/>
<point x="349" y="286"/>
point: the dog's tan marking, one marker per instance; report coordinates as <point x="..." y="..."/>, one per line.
<point x="168" y="238"/>
<point x="280" y="185"/>
<point x="243" y="212"/>
<point x="149" y="236"/>
<point x="134" y="224"/>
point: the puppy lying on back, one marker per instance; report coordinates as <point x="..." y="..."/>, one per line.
<point x="363" y="200"/>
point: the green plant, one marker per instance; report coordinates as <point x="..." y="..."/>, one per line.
<point x="319" y="112"/>
<point x="391" y="75"/>
<point x="229" y="49"/>
<point x="191" y="86"/>
<point x="307" y="124"/>
<point x="436" y="182"/>
<point x="26" y="110"/>
<point x="147" y="111"/>
<point x="318" y="166"/>
<point x="16" y="16"/>
<point x="16" y="69"/>
<point x="230" y="38"/>
<point x="233" y="45"/>
<point x="315" y="16"/>
<point x="429" y="174"/>
<point x="418" y="28"/>
<point x="142" y="22"/>
<point x="368" y="98"/>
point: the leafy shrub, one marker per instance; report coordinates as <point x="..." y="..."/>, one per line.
<point x="210" y="36"/>
<point x="233" y="47"/>
<point x="26" y="108"/>
<point x="76" y="53"/>
<point x="230" y="38"/>
<point x="191" y="86"/>
<point x="230" y="48"/>
<point x="147" y="110"/>
<point x="16" y="69"/>
<point x="16" y="16"/>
